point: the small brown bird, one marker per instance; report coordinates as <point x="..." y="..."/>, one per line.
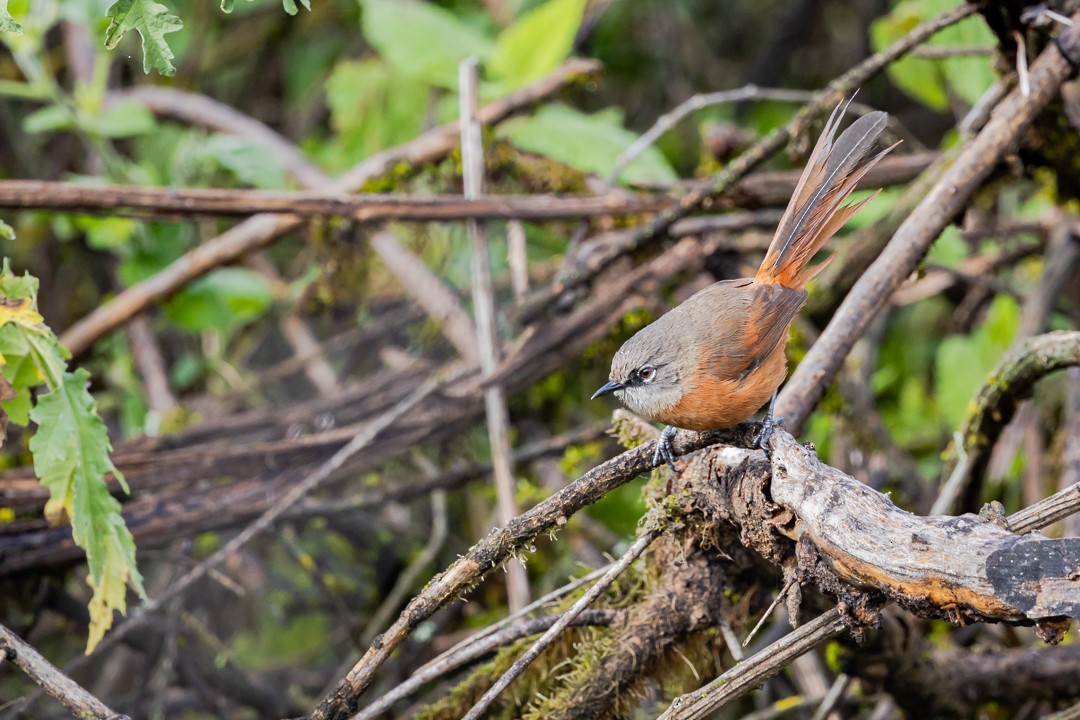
<point x="715" y="359"/>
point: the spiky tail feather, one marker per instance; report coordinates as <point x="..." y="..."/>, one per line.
<point x="816" y="211"/>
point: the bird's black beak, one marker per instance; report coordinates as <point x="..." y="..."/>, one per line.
<point x="608" y="389"/>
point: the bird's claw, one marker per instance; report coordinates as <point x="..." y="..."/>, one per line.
<point x="664" y="450"/>
<point x="768" y="423"/>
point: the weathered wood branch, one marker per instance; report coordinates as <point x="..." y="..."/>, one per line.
<point x="965" y="569"/>
<point x="1009" y="384"/>
<point x="76" y="699"/>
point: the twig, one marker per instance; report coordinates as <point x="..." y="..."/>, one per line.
<point x="194" y="203"/>
<point x="548" y="637"/>
<point x="517" y="258"/>
<point x="483" y="296"/>
<point x="995" y="403"/>
<point x="261" y="230"/>
<point x="1070" y="453"/>
<point x="912" y="240"/>
<point x="279" y="508"/>
<point x="147" y="357"/>
<point x="55" y="683"/>
<point x="932" y="52"/>
<point x="833" y="697"/>
<point x="497" y="547"/>
<point x="673" y="117"/>
<point x="756" y="669"/>
<point x="501" y="633"/>
<point x="704" y="195"/>
<point x="768" y="611"/>
<point x="1060" y="505"/>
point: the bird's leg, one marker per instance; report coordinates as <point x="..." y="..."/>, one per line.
<point x="664" y="451"/>
<point x="768" y="424"/>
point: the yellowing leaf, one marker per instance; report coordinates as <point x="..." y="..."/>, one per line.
<point x="71" y="457"/>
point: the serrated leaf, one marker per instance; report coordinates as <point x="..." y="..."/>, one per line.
<point x="223" y="300"/>
<point x="153" y="22"/>
<point x="536" y="43"/>
<point x="590" y="143"/>
<point x="71" y="457"/>
<point x="420" y="39"/>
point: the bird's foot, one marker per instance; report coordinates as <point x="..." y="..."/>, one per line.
<point x="769" y="423"/>
<point x="664" y="450"/>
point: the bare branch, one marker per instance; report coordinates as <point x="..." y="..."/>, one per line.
<point x="55" y="683"/>
<point x="914" y="237"/>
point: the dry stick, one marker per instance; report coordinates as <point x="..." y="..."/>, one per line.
<point x="702" y="196"/>
<point x="76" y="699"/>
<point x="264" y="521"/>
<point x="670" y="119"/>
<point x="501" y="633"/>
<point x="261" y="230"/>
<point x="915" y="235"/>
<point x="189" y="203"/>
<point x="483" y="295"/>
<point x="756" y="669"/>
<point x="1070" y="453"/>
<point x="548" y="637"/>
<point x="496" y="547"/>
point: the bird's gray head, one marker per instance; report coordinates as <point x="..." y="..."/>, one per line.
<point x="645" y="373"/>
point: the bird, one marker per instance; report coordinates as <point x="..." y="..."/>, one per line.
<point x="717" y="358"/>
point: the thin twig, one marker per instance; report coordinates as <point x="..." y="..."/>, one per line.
<point x="279" y="508"/>
<point x="706" y="192"/>
<point x="914" y="237"/>
<point x="194" y="203"/>
<point x="548" y="637"/>
<point x="55" y="683"/>
<point x="261" y="230"/>
<point x="768" y="611"/>
<point x="501" y="633"/>
<point x="756" y="669"/>
<point x="483" y="295"/>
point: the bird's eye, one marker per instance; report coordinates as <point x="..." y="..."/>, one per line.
<point x="647" y="373"/>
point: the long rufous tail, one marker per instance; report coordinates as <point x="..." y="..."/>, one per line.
<point x="816" y="210"/>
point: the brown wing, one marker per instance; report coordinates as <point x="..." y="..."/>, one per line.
<point x="749" y="320"/>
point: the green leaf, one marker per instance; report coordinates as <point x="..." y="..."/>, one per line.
<point x="290" y="6"/>
<point x="71" y="457"/>
<point x="6" y="231"/>
<point x="225" y="299"/>
<point x="153" y="22"/>
<point x="590" y="143"/>
<point x="7" y="23"/>
<point x="536" y="44"/>
<point x="227" y="6"/>
<point x="420" y="39"/>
